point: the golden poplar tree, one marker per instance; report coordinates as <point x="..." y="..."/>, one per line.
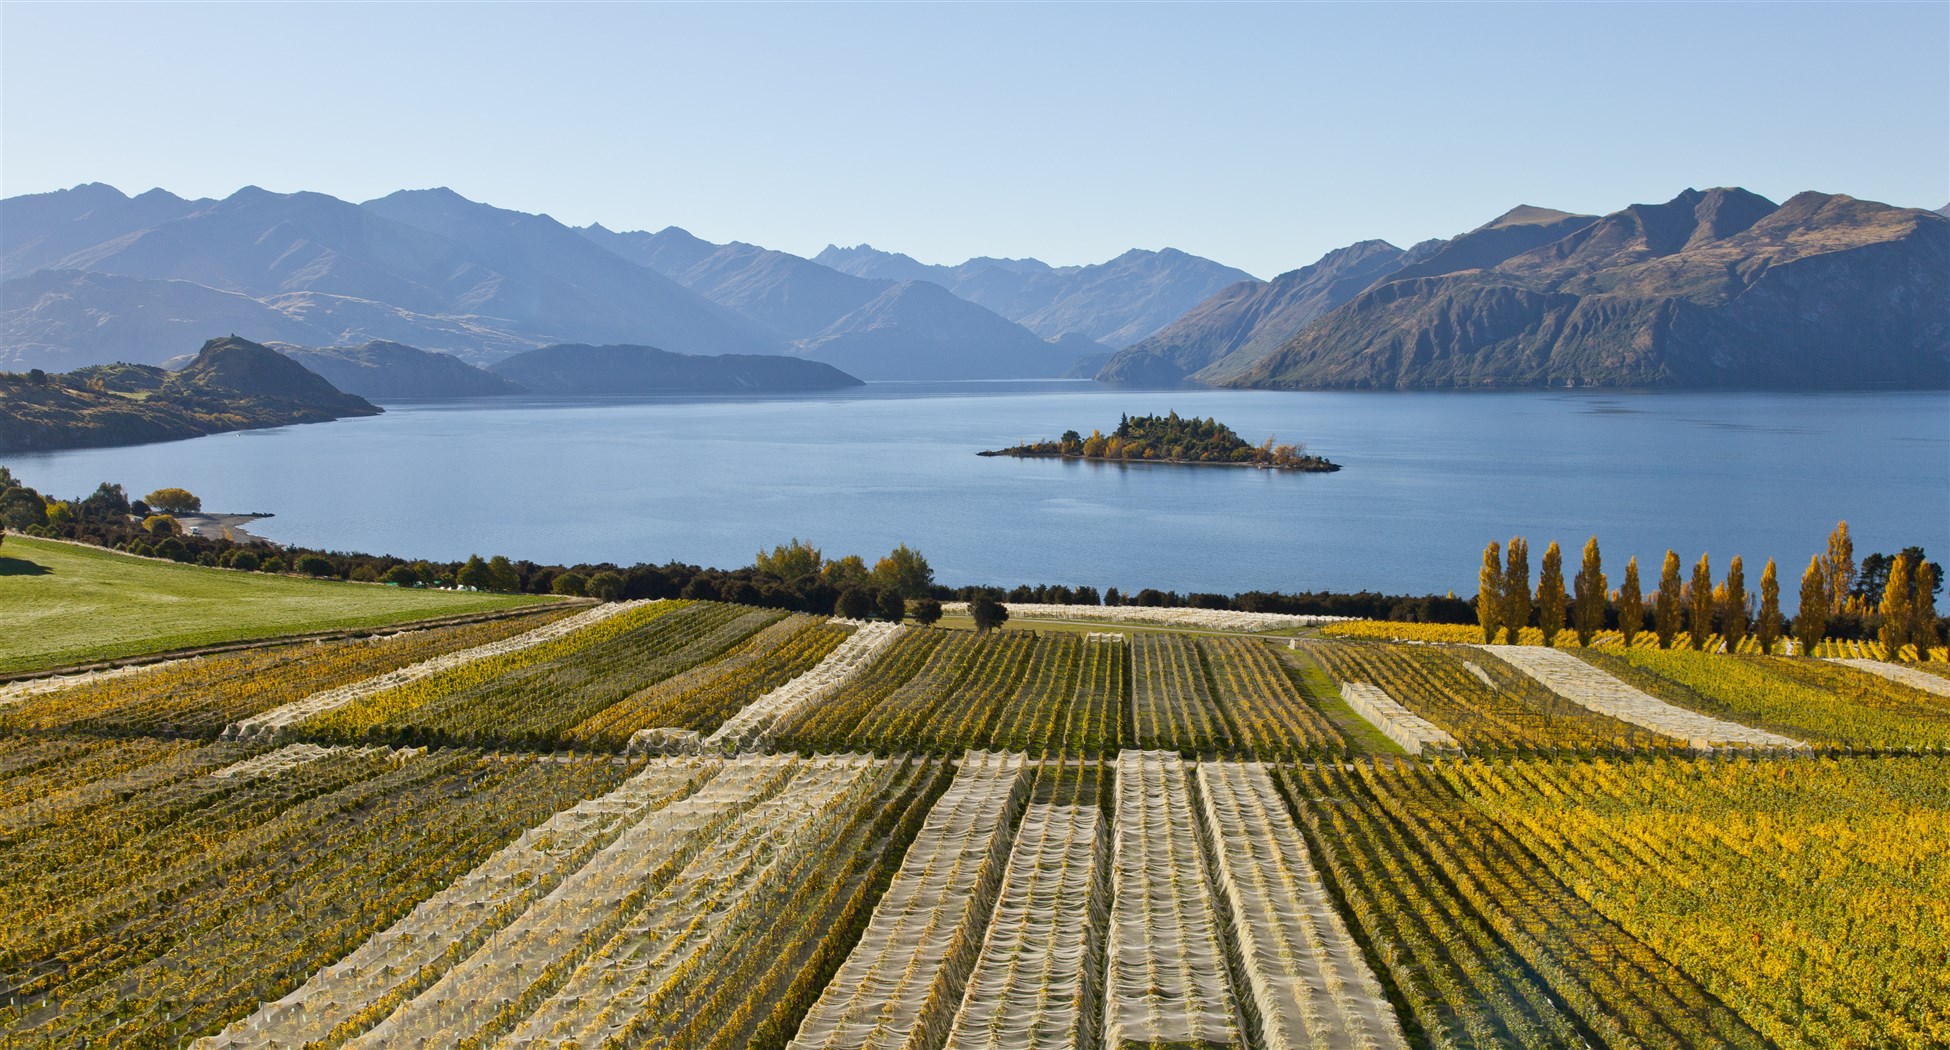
<point x="1665" y="605"/>
<point x="1838" y="568"/>
<point x="1768" y="627"/>
<point x="1550" y="594"/>
<point x="1588" y="613"/>
<point x="1489" y="585"/>
<point x="1811" y="620"/>
<point x="1516" y="590"/>
<point x="1631" y="603"/>
<point x="1699" y="618"/>
<point x="1898" y="608"/>
<point x="1733" y="605"/>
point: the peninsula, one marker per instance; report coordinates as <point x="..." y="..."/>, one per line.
<point x="1171" y="438"/>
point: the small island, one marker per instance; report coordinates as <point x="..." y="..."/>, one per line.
<point x="1171" y="438"/>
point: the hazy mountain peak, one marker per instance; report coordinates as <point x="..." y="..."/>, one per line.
<point x="1527" y="215"/>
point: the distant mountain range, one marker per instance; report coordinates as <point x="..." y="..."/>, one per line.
<point x="91" y="275"/>
<point x="873" y="328"/>
<point x="1714" y="288"/>
<point x="1717" y="288"/>
<point x="1115" y="303"/>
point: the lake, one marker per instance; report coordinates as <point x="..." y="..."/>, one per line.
<point x="1428" y="478"/>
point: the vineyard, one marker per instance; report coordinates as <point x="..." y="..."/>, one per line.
<point x="697" y="824"/>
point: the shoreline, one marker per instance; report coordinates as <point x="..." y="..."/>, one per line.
<point x="1312" y="465"/>
<point x="223" y="526"/>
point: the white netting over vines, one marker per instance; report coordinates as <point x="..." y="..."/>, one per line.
<point x="1166" y="981"/>
<point x="1308" y="984"/>
<point x="519" y="965"/>
<point x="1036" y="981"/>
<point x="1901" y="675"/>
<point x="1587" y="686"/>
<point x="618" y="987"/>
<point x="271" y="763"/>
<point x="361" y="988"/>
<point x="1481" y="675"/>
<point x="1413" y="732"/>
<point x="903" y="981"/>
<point x="750" y="729"/>
<point x="269" y="724"/>
<point x="18" y="691"/>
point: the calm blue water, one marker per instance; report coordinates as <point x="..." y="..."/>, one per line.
<point x="1428" y="479"/>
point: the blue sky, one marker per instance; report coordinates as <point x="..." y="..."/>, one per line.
<point x="1261" y="135"/>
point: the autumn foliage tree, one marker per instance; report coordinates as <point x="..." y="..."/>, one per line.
<point x="1665" y="605"/>
<point x="1733" y="605"/>
<point x="1811" y="620"/>
<point x="1699" y="615"/>
<point x="1923" y="611"/>
<point x="1516" y="589"/>
<point x="173" y="501"/>
<point x="1489" y="596"/>
<point x="1588" y="610"/>
<point x="1898" y="608"/>
<point x="1550" y="594"/>
<point x="1838" y="568"/>
<point x="1768" y="627"/>
<point x="1631" y="603"/>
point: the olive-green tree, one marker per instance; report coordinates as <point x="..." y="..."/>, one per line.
<point x="790" y="561"/>
<point x="905" y="572"/>
<point x="1922" y="632"/>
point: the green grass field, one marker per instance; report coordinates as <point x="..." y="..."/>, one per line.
<point x="63" y="604"/>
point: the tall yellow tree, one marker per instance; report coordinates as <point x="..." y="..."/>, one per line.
<point x="1516" y="589"/>
<point x="1588" y="611"/>
<point x="1489" y="588"/>
<point x="1550" y="594"/>
<point x="1733" y="605"/>
<point x="1768" y="627"/>
<point x="1898" y="608"/>
<point x="1838" y="568"/>
<point x="1665" y="605"/>
<point x="1811" y="619"/>
<point x="1631" y="603"/>
<point x="1699" y="617"/>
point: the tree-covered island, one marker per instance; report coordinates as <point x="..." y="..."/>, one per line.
<point x="1171" y="438"/>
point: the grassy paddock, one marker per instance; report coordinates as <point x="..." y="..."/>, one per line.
<point x="64" y="604"/>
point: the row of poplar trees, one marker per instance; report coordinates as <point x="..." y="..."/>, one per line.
<point x="1505" y="602"/>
